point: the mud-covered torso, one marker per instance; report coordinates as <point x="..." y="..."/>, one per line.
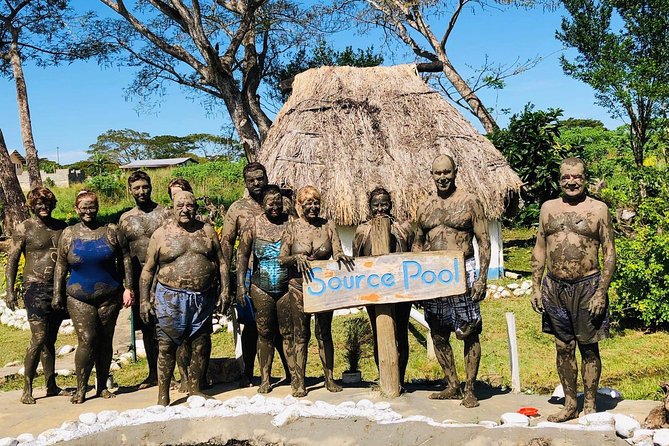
<point x="187" y="259"/>
<point x="268" y="273"/>
<point x="314" y="241"/>
<point x="138" y="226"/>
<point x="572" y="239"/>
<point x="448" y="223"/>
<point x="92" y="259"/>
<point x="40" y="248"/>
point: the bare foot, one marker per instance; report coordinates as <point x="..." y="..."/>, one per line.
<point x="148" y="382"/>
<point x="57" y="391"/>
<point x="265" y="388"/>
<point x="566" y="414"/>
<point x="78" y="398"/>
<point x="450" y="393"/>
<point x="469" y="401"/>
<point x="299" y="393"/>
<point x="27" y="398"/>
<point x="332" y="386"/>
<point x="106" y="394"/>
<point x="589" y="408"/>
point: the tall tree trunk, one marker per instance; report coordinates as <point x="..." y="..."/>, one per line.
<point x="239" y="116"/>
<point x="14" y="202"/>
<point x="32" y="161"/>
<point x="477" y="108"/>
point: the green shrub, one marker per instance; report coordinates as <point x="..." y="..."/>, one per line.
<point x="222" y="181"/>
<point x="641" y="283"/>
<point x="49" y="183"/>
<point x="107" y="185"/>
<point x="358" y="339"/>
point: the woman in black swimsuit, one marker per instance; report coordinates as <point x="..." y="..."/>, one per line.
<point x="310" y="238"/>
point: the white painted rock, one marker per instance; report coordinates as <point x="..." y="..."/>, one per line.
<point x="4" y="320"/>
<point x="382" y="405"/>
<point x="25" y="438"/>
<point x="661" y="437"/>
<point x="496" y="296"/>
<point x="213" y="402"/>
<point x="514" y="419"/>
<point x="195" y="401"/>
<point x="613" y="393"/>
<point x="625" y="426"/>
<point x="88" y="418"/>
<point x="289" y="414"/>
<point x="364" y="404"/>
<point x="216" y="328"/>
<point x="22" y="371"/>
<point x="65" y="349"/>
<point x="64" y="372"/>
<point x="70" y="426"/>
<point x="505" y="293"/>
<point x="511" y="275"/>
<point x="488" y="423"/>
<point x="114" y="366"/>
<point x="642" y="436"/>
<point x="512" y="286"/>
<point x="66" y="330"/>
<point x="12" y="364"/>
<point x="8" y="441"/>
<point x="558" y="392"/>
<point x="526" y="285"/>
<point x="25" y="326"/>
<point x="597" y="419"/>
<point x="107" y="415"/>
<point x="518" y="292"/>
<point x="289" y="400"/>
<point x="22" y="313"/>
<point x="158" y="408"/>
<point x="528" y="292"/>
<point x="66" y="323"/>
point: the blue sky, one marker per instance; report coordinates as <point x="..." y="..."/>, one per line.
<point x="71" y="105"/>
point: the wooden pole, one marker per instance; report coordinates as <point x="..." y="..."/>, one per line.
<point x="389" y="370"/>
<point x="513" y="352"/>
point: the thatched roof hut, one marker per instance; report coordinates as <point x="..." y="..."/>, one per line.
<point x="347" y="130"/>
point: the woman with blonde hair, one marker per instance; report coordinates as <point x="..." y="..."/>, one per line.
<point x="305" y="239"/>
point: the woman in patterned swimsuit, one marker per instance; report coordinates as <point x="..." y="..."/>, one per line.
<point x="310" y="238"/>
<point x="261" y="237"/>
<point x="98" y="259"/>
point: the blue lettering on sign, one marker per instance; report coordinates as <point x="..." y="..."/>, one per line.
<point x="412" y="274"/>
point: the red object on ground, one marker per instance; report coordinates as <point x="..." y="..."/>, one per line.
<point x="529" y="411"/>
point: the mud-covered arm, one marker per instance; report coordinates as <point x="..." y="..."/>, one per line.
<point x="418" y="244"/>
<point x="125" y="259"/>
<point x="539" y="262"/>
<point x="60" y="270"/>
<point x="223" y="297"/>
<point x="483" y="240"/>
<point x="148" y="272"/>
<point x="228" y="236"/>
<point x="17" y="247"/>
<point x="285" y="257"/>
<point x="599" y="300"/>
<point x="244" y="250"/>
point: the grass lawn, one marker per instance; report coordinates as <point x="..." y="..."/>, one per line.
<point x="632" y="362"/>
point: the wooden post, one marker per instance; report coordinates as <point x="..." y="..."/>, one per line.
<point x="389" y="371"/>
<point x="513" y="352"/>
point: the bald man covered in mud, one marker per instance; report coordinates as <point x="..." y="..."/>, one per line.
<point x="573" y="296"/>
<point x="449" y="221"/>
<point x="187" y="256"/>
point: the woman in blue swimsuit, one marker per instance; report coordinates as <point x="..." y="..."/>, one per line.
<point x="98" y="260"/>
<point x="261" y="237"/>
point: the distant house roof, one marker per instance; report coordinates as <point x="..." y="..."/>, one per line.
<point x="18" y="156"/>
<point x="158" y="163"/>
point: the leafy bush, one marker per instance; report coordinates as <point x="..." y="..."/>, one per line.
<point x="48" y="182"/>
<point x="358" y="338"/>
<point x="107" y="185"/>
<point x="222" y="181"/>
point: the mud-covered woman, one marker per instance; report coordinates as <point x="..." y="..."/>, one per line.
<point x="310" y="238"/>
<point x="261" y="238"/>
<point x="100" y="283"/>
<point x="383" y="234"/>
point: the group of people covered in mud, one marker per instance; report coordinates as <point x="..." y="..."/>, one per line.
<point x="175" y="272"/>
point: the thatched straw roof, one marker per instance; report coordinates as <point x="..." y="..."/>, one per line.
<point x="347" y="130"/>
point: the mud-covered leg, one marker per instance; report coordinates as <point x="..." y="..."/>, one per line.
<point x="301" y="333"/>
<point x="568" y="372"/>
<point x="444" y="353"/>
<point x="266" y="322"/>
<point x="591" y="369"/>
<point x="151" y="348"/>
<point x="472" y="360"/>
<point x="107" y="313"/>
<point x="402" y="312"/>
<point x="371" y="312"/>
<point x="166" y="361"/>
<point x="85" y="321"/>
<point x="38" y="328"/>
<point x="286" y="330"/>
<point x="183" y="359"/>
<point x="201" y="349"/>
<point x="326" y="348"/>
<point x="49" y="354"/>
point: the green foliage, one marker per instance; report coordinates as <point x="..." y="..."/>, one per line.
<point x="323" y="55"/>
<point x="48" y="182"/>
<point x="627" y="67"/>
<point x="358" y="339"/>
<point x="48" y="166"/>
<point x="107" y="185"/>
<point x="532" y="146"/>
<point x="222" y="181"/>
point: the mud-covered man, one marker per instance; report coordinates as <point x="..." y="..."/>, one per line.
<point x="37" y="239"/>
<point x="138" y="224"/>
<point x="573" y="296"/>
<point x="190" y="264"/>
<point x="450" y="221"/>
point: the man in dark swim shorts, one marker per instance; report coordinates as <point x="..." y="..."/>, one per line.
<point x="573" y="297"/>
<point x="37" y="239"/>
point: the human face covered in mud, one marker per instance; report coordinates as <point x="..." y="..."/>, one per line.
<point x="380" y="205"/>
<point x="254" y="181"/>
<point x="443" y="174"/>
<point x="185" y="208"/>
<point x="87" y="210"/>
<point x="42" y="208"/>
<point x="572" y="180"/>
<point x="272" y="205"/>
<point x="141" y="191"/>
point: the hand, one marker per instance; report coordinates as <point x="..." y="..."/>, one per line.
<point x="303" y="266"/>
<point x="11" y="300"/>
<point x="128" y="298"/>
<point x="478" y="291"/>
<point x="348" y="262"/>
<point x="145" y="312"/>
<point x="537" y="305"/>
<point x="58" y="303"/>
<point x="241" y="295"/>
<point x="597" y="304"/>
